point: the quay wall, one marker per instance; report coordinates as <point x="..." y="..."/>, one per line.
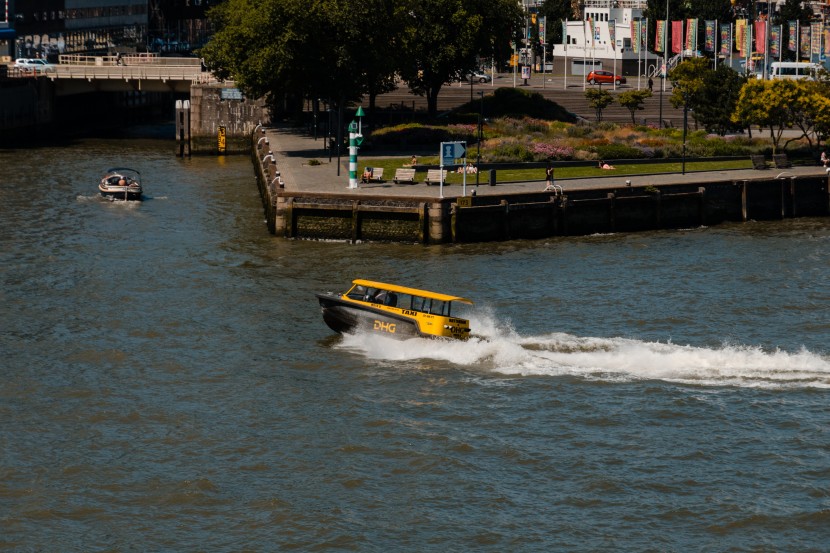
<point x="531" y="215"/>
<point x="216" y="105"/>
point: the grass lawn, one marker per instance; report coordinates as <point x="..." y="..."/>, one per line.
<point x="567" y="172"/>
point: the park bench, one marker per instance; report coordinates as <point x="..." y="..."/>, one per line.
<point x="375" y="175"/>
<point x="435" y="176"/>
<point x="404" y="175"/>
<point x="781" y="161"/>
<point x="758" y="161"/>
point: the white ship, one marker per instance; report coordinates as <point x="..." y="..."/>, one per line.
<point x="604" y="39"/>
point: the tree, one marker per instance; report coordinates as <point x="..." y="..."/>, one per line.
<point x="810" y="112"/>
<point x="599" y="99"/>
<point x="285" y="48"/>
<point x="441" y="39"/>
<point x="556" y="11"/>
<point x="633" y="100"/>
<point x="767" y="104"/>
<point x="717" y="98"/>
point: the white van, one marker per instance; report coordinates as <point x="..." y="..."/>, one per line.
<point x="793" y="70"/>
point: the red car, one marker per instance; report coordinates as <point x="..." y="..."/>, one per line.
<point x="600" y="76"/>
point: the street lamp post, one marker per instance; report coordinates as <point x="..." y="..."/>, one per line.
<point x="662" y="86"/>
<point x="478" y="142"/>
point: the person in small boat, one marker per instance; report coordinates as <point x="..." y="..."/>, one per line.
<point x="122" y="182"/>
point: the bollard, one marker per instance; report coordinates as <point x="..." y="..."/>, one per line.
<point x="492" y="177"/>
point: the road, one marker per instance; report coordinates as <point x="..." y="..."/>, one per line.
<point x="569" y="95"/>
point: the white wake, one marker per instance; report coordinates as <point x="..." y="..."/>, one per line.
<point x="501" y="350"/>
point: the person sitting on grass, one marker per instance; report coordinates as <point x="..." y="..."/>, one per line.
<point x="603" y="165"/>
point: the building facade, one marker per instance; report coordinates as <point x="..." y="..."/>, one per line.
<point x="48" y="28"/>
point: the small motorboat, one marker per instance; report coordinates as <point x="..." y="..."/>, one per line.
<point x="121" y="183"/>
<point x="395" y="311"/>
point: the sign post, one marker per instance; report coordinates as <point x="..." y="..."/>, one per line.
<point x="450" y="151"/>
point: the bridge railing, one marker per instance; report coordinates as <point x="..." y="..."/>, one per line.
<point x="127" y="59"/>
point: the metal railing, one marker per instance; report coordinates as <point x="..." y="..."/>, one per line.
<point x="127" y="59"/>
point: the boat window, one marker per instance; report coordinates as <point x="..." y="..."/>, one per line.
<point x="440" y="308"/>
<point x="357" y="292"/>
<point x="420" y="304"/>
<point x="391" y="299"/>
<point x="404" y="301"/>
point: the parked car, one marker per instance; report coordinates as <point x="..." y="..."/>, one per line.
<point x="600" y="76"/>
<point x="33" y="65"/>
<point x="479" y="76"/>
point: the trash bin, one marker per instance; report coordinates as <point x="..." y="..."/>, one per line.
<point x="492" y="177"/>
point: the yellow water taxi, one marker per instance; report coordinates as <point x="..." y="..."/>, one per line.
<point x="395" y="311"/>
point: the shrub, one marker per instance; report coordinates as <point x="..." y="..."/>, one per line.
<point x="412" y="133"/>
<point x="543" y="151"/>
<point x="617" y="151"/>
<point x="506" y="149"/>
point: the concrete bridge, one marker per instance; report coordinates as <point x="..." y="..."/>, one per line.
<point x="77" y="74"/>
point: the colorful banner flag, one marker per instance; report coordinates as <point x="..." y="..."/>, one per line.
<point x="636" y="31"/>
<point x="660" y="36"/>
<point x="760" y="36"/>
<point x="612" y="34"/>
<point x="590" y="32"/>
<point x="792" y="40"/>
<point x="709" y="39"/>
<point x="740" y="35"/>
<point x="804" y="47"/>
<point x="827" y="41"/>
<point x="775" y="41"/>
<point x="726" y="39"/>
<point x="542" y="28"/>
<point x="691" y="34"/>
<point x="677" y="36"/>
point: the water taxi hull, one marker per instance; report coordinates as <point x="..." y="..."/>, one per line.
<point x="346" y="317"/>
<point x="395" y="311"/>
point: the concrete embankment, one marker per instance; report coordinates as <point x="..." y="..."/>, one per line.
<point x="304" y="197"/>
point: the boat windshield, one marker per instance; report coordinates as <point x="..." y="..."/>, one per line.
<point x="400" y="300"/>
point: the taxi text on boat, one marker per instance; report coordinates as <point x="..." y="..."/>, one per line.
<point x="121" y="183"/>
<point x="395" y="311"/>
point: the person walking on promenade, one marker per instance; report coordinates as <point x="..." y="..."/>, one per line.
<point x="650" y="84"/>
<point x="549" y="177"/>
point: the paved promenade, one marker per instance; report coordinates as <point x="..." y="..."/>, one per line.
<point x="294" y="148"/>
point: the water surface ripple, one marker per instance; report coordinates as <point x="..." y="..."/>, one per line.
<point x="167" y="383"/>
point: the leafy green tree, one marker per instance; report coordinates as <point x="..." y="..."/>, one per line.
<point x="810" y="112"/>
<point x="767" y="104"/>
<point x="687" y="78"/>
<point x="634" y="100"/>
<point x="599" y="99"/>
<point x="556" y="11"/>
<point x="285" y="48"/>
<point x="716" y="100"/>
<point x="442" y="39"/>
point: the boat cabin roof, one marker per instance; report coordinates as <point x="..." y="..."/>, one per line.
<point x="411" y="291"/>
